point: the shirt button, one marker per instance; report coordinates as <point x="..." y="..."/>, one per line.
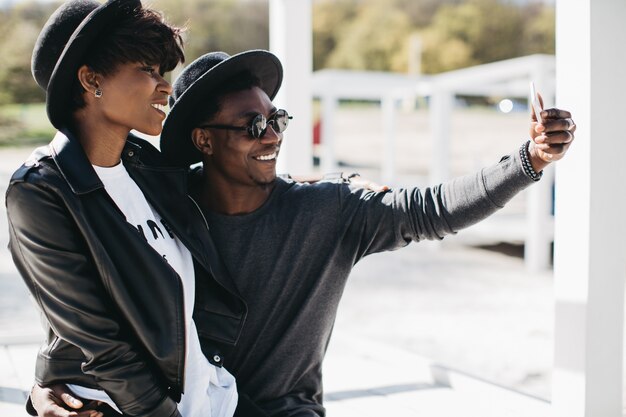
<point x="217" y="358"/>
<point x="131" y="153"/>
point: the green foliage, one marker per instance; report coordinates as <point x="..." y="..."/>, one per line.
<point x="453" y="33"/>
<point x="19" y="28"/>
<point x="481" y="30"/>
<point x="421" y="12"/>
<point x="328" y="16"/>
<point x="373" y="40"/>
<point x="357" y="34"/>
<point x="219" y="25"/>
<point x="539" y="36"/>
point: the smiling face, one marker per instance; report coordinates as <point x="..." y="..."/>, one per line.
<point x="234" y="157"/>
<point x="134" y="96"/>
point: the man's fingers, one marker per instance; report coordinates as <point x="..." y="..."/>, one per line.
<point x="377" y="187"/>
<point x="555" y="114"/>
<point x="555" y="125"/>
<point x="53" y="410"/>
<point x="88" y="413"/>
<point x="359" y="182"/>
<point x="555" y="138"/>
<point x="61" y="391"/>
<point x="70" y="401"/>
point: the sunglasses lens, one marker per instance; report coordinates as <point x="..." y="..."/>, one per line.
<point x="259" y="126"/>
<point x="280" y="120"/>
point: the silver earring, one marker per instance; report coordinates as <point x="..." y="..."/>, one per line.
<point x="97" y="93"/>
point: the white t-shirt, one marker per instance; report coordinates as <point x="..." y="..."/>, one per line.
<point x="209" y="390"/>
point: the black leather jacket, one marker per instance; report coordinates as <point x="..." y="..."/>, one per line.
<point x="114" y="307"/>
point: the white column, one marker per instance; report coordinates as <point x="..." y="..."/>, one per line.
<point x="537" y="248"/>
<point x="389" y="107"/>
<point x="291" y="40"/>
<point x="590" y="249"/>
<point x="329" y="105"/>
<point x="441" y="106"/>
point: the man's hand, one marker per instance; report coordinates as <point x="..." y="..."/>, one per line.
<point x="360" y="182"/>
<point x="58" y="401"/>
<point x="550" y="139"/>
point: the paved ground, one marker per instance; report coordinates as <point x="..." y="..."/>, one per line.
<point x="413" y="323"/>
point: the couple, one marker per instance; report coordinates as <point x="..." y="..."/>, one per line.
<point x="156" y="282"/>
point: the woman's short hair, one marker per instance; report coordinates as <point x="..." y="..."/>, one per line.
<point x="143" y="36"/>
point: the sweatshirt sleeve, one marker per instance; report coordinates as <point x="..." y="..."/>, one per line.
<point x="377" y="222"/>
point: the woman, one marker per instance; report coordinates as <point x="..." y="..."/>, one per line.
<point x="106" y="238"/>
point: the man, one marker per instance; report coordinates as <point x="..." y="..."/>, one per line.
<point x="290" y="247"/>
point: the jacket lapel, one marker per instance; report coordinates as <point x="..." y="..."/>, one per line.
<point x="166" y="189"/>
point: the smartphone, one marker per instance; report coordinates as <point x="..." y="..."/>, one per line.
<point x="534" y="101"/>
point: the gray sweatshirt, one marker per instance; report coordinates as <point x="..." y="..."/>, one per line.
<point x="291" y="258"/>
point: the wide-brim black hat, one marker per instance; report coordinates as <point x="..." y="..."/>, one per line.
<point x="195" y="85"/>
<point x="62" y="44"/>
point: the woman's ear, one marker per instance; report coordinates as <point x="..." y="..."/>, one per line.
<point x="88" y="79"/>
<point x="202" y="140"/>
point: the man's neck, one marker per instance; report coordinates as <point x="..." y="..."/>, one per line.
<point x="231" y="199"/>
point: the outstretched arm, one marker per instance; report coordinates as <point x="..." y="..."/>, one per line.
<point x="391" y="220"/>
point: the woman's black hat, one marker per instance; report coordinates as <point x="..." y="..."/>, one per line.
<point x="195" y="85"/>
<point x="62" y="45"/>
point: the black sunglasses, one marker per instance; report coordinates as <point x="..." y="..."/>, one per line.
<point x="258" y="126"/>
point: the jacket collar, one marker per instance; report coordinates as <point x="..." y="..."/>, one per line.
<point x="69" y="156"/>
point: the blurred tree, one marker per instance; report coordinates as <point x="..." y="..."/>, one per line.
<point x="16" y="81"/>
<point x="476" y="31"/>
<point x="328" y="17"/>
<point x="219" y="25"/>
<point x="440" y="53"/>
<point x="373" y="34"/>
<point x="19" y="29"/>
<point x="377" y="39"/>
<point x="539" y="30"/>
<point x="359" y="34"/>
<point x="421" y="12"/>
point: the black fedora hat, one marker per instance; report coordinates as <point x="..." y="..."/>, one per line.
<point x="196" y="83"/>
<point x="62" y="44"/>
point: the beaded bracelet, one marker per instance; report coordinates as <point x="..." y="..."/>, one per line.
<point x="528" y="168"/>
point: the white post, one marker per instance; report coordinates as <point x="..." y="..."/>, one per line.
<point x="590" y="249"/>
<point x="388" y="105"/>
<point x="329" y="108"/>
<point x="441" y="107"/>
<point x="537" y="249"/>
<point x="291" y="40"/>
